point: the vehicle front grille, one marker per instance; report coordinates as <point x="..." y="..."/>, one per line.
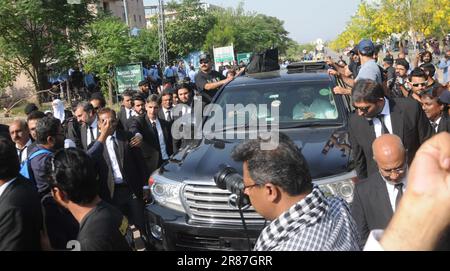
<point x="194" y="242"/>
<point x="209" y="204"/>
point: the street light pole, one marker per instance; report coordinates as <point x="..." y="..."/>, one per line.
<point x="126" y="12"/>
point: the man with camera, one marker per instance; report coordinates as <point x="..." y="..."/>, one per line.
<point x="279" y="186"/>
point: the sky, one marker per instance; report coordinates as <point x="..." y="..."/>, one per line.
<point x="305" y="20"/>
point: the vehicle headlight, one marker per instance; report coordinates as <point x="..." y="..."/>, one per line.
<point x="166" y="192"/>
<point x="339" y="186"/>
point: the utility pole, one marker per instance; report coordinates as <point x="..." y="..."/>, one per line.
<point x="163" y="57"/>
<point x="126" y="12"/>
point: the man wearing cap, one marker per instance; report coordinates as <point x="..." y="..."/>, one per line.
<point x="209" y="80"/>
<point x="369" y="68"/>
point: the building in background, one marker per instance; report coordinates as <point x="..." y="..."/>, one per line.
<point x="135" y="11"/>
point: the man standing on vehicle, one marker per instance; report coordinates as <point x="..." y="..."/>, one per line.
<point x="209" y="80"/>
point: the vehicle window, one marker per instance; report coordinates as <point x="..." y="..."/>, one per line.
<point x="297" y="102"/>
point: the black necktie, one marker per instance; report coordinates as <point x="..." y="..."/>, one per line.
<point x="169" y="116"/>
<point x="398" y="187"/>
<point x="21" y="152"/>
<point x="434" y="125"/>
<point x="92" y="134"/>
<point x="384" y="129"/>
<point x="155" y="130"/>
<point x="129" y="114"/>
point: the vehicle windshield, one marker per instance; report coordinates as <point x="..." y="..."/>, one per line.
<point x="298" y="103"/>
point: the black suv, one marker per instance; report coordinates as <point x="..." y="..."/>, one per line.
<point x="189" y="212"/>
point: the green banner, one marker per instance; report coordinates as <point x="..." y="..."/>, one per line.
<point x="244" y="57"/>
<point x="128" y="76"/>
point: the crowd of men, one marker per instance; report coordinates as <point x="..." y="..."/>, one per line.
<point x="87" y="167"/>
<point x="398" y="106"/>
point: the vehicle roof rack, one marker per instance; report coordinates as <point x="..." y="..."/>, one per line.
<point x="306" y="66"/>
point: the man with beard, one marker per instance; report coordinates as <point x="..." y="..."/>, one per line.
<point x="209" y="80"/>
<point x="400" y="88"/>
<point x="376" y="115"/>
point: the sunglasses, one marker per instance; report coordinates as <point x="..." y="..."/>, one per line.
<point x="423" y="84"/>
<point x="204" y="61"/>
<point x="362" y="109"/>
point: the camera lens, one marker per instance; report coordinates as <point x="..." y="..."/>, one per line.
<point x="229" y="179"/>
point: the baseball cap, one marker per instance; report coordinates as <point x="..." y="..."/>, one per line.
<point x="445" y="97"/>
<point x="366" y="46"/>
<point x="205" y="57"/>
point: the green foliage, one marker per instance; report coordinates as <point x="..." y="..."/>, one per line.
<point x="7" y="75"/>
<point x="380" y="19"/>
<point x="187" y="32"/>
<point x="36" y="33"/>
<point x="249" y="32"/>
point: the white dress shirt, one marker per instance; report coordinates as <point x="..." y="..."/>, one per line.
<point x="5" y="185"/>
<point x="24" y="155"/>
<point x="94" y="127"/>
<point x="387" y="120"/>
<point x="127" y="112"/>
<point x="162" y="143"/>
<point x="166" y="116"/>
<point x="117" y="174"/>
<point x="392" y="192"/>
<point x="437" y="124"/>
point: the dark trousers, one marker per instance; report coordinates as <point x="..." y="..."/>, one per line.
<point x="61" y="226"/>
<point x="130" y="205"/>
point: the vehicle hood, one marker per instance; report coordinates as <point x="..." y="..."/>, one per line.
<point x="327" y="151"/>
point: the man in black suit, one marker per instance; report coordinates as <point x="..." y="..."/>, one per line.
<point x="87" y="117"/>
<point x="165" y="112"/>
<point x="376" y="198"/>
<point x="126" y="110"/>
<point x="126" y="171"/>
<point x="376" y="115"/>
<point x="436" y="110"/>
<point x="20" y="212"/>
<point x="157" y="145"/>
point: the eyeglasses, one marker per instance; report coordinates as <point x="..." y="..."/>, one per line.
<point x="362" y="109"/>
<point x="204" y="61"/>
<point x="250" y="186"/>
<point x="398" y="171"/>
<point x="423" y="84"/>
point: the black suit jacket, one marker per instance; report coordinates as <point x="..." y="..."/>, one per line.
<point x="122" y="117"/>
<point x="4" y="131"/>
<point x="371" y="207"/>
<point x="73" y="132"/>
<point x="151" y="150"/>
<point x="20" y="217"/>
<point x="444" y="124"/>
<point x="83" y="137"/>
<point x="131" y="165"/>
<point x="161" y="115"/>
<point x="409" y="122"/>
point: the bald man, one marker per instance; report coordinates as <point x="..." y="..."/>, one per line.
<point x="376" y="197"/>
<point x="20" y="135"/>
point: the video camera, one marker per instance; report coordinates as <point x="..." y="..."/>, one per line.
<point x="229" y="179"/>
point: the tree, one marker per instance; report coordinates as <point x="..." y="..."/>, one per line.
<point x="248" y="32"/>
<point x="110" y="45"/>
<point x="36" y="33"/>
<point x="187" y="32"/>
<point x="382" y="18"/>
